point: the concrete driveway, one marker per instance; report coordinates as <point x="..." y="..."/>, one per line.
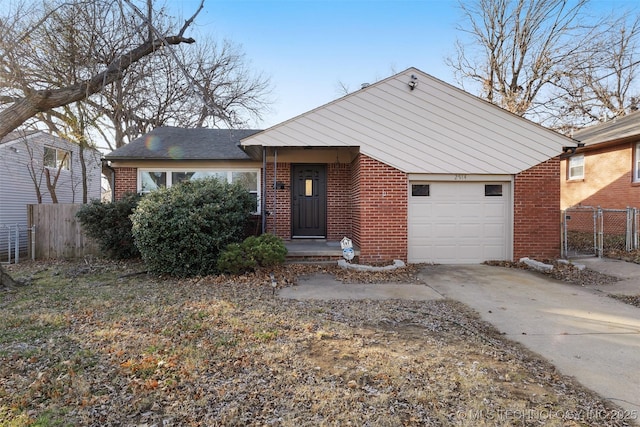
<point x="583" y="332"/>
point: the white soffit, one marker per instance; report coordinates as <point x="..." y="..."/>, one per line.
<point x="435" y="128"/>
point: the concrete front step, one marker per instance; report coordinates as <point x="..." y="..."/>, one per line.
<point x="314" y="250"/>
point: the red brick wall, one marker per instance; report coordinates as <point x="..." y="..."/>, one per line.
<point x="280" y="211"/>
<point x="607" y="182"/>
<point x="339" y="209"/>
<point x="381" y="208"/>
<point x="339" y="212"/>
<point x="126" y="181"/>
<point x="355" y="201"/>
<point x="536" y="216"/>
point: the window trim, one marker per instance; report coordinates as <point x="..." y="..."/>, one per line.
<point x="636" y="163"/>
<point x="570" y="167"/>
<point x="229" y="171"/>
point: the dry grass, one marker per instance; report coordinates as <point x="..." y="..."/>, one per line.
<point x="80" y="346"/>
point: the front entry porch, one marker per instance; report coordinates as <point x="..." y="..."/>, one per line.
<point x="310" y="250"/>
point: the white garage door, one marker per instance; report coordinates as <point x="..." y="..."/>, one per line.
<point x="459" y="222"/>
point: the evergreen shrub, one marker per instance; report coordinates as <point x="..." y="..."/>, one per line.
<point x="181" y="230"/>
<point x="266" y="250"/>
<point x="110" y="226"/>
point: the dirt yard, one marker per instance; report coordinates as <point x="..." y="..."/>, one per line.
<point x="103" y="344"/>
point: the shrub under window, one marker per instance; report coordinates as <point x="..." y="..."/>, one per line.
<point x="181" y="230"/>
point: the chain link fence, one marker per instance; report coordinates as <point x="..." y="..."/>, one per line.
<point x="594" y="231"/>
<point x="16" y="241"/>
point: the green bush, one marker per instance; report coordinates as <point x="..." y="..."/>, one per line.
<point x="268" y="250"/>
<point x="181" y="230"/>
<point x="235" y="260"/>
<point x="263" y="251"/>
<point x="110" y="226"/>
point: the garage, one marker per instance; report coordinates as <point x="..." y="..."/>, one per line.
<point x="459" y="222"/>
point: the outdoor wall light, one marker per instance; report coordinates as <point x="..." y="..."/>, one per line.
<point x="15" y="150"/>
<point x="413" y="83"/>
<point x="280" y="185"/>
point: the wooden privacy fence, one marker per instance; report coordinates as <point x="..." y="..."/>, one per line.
<point x="58" y="232"/>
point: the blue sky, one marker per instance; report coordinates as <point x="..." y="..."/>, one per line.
<point x="309" y="47"/>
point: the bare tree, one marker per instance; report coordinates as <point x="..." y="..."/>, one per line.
<point x="79" y="44"/>
<point x="28" y="87"/>
<point x="208" y="84"/>
<point x="53" y="181"/>
<point x="70" y="123"/>
<point x="603" y="83"/>
<point x="517" y="48"/>
<point x="220" y="90"/>
<point x="36" y="170"/>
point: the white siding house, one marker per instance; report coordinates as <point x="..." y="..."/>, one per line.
<point x="24" y="155"/>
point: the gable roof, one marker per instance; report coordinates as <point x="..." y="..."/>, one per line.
<point x="433" y="128"/>
<point x="617" y="129"/>
<point x="173" y="143"/>
<point x="18" y="134"/>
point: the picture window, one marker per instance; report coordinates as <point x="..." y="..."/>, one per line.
<point x="150" y="180"/>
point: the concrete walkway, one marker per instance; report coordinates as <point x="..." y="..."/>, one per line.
<point x="581" y="330"/>
<point x="326" y="287"/>
<point x="627" y="272"/>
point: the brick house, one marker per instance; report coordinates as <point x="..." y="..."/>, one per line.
<point x="409" y="168"/>
<point x="605" y="169"/>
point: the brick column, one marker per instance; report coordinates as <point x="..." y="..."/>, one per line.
<point x="126" y="181"/>
<point x="339" y="203"/>
<point x="536" y="214"/>
<point x="380" y="215"/>
<point x="280" y="210"/>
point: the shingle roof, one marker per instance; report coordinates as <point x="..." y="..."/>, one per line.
<point x="173" y="143"/>
<point x="622" y="127"/>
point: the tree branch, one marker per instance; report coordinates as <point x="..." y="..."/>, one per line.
<point x="42" y="100"/>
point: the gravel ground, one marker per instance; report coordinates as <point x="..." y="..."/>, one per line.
<point x="104" y="344"/>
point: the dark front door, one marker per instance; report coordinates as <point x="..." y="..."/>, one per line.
<point x="309" y="200"/>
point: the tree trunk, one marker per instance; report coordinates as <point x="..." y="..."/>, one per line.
<point x="51" y="186"/>
<point x="6" y="281"/>
<point x="83" y="169"/>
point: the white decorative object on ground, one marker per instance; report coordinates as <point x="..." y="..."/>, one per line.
<point x="396" y="264"/>
<point x="347" y="248"/>
<point x="537" y="264"/>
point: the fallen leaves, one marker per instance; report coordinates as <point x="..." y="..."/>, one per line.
<point x="91" y="344"/>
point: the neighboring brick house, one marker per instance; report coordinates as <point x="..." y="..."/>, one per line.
<point x="409" y="168"/>
<point x="605" y="170"/>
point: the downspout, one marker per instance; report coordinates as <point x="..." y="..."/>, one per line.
<point x="263" y="201"/>
<point x="275" y="194"/>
